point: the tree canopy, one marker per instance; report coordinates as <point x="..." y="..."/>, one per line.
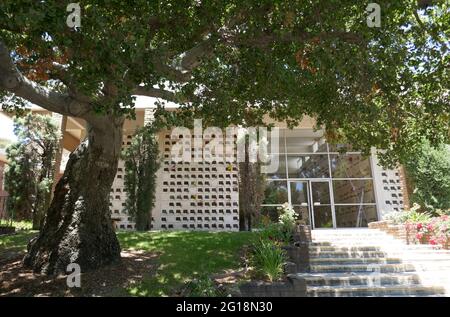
<point x="30" y="172"/>
<point x="228" y="61"/>
<point x="428" y="171"/>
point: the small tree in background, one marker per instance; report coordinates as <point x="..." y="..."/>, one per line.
<point x="141" y="165"/>
<point x="429" y="173"/>
<point x="251" y="189"/>
<point x="30" y="173"/>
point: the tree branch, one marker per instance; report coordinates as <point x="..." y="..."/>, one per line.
<point x="192" y="58"/>
<point x="426" y="30"/>
<point x="158" y="93"/>
<point x="265" y="40"/>
<point x="170" y="72"/>
<point x="60" y="73"/>
<point x="12" y="80"/>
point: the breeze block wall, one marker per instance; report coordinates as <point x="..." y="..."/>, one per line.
<point x="198" y="194"/>
<point x="194" y="195"/>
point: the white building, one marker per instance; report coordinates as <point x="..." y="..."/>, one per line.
<point x="326" y="188"/>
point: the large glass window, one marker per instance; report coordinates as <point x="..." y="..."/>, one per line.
<point x="299" y="193"/>
<point x="271" y="212"/>
<point x="308" y="166"/>
<point x="298" y="144"/>
<point x="276" y="193"/>
<point x="355" y="216"/>
<point x="326" y="188"/>
<point x="276" y="167"/>
<point x="279" y="145"/>
<point x="350" y="166"/>
<point x="355" y="191"/>
<point x="300" y="199"/>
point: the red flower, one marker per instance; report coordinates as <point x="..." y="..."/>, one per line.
<point x="430" y="227"/>
<point x="419" y="236"/>
<point x="419" y="226"/>
<point x="433" y="242"/>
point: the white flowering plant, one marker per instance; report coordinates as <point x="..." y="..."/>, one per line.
<point x="287" y="219"/>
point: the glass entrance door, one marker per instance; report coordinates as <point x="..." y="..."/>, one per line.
<point x="311" y="199"/>
<point x="321" y="209"/>
<point x="300" y="200"/>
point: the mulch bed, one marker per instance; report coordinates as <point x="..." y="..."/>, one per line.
<point x="15" y="280"/>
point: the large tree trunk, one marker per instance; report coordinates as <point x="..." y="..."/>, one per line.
<point x="78" y="227"/>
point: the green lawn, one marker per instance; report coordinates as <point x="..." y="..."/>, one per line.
<point x="183" y="255"/>
<point x="16" y="242"/>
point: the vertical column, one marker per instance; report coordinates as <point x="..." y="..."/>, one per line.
<point x="61" y="123"/>
<point x="405" y="187"/>
<point x="377" y="183"/>
<point x="149" y="116"/>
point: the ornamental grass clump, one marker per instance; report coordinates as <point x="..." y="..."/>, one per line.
<point x="269" y="259"/>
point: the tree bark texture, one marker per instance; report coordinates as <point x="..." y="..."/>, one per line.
<point x="77" y="227"/>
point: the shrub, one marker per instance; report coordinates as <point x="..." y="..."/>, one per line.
<point x="396" y="217"/>
<point x="287" y="220"/>
<point x="427" y="229"/>
<point x="203" y="286"/>
<point x="272" y="231"/>
<point x="413" y="215"/>
<point x="30" y="172"/>
<point x="269" y="259"/>
<point x="441" y="230"/>
<point x="429" y="171"/>
<point x="141" y="159"/>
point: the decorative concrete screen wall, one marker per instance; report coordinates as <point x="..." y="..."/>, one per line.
<point x="200" y="194"/>
<point x="189" y="195"/>
<point x="390" y="189"/>
<point x="118" y="195"/>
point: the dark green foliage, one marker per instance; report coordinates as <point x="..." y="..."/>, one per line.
<point x="232" y="62"/>
<point x="367" y="86"/>
<point x="141" y="165"/>
<point x="30" y="173"/>
<point x="203" y="286"/>
<point x="269" y="259"/>
<point x="429" y="171"/>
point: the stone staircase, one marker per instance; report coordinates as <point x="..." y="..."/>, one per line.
<point x="369" y="262"/>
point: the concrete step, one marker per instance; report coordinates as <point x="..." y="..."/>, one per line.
<point x="336" y="240"/>
<point x="354" y="260"/>
<point x="330" y="233"/>
<point x="368" y="262"/>
<point x="356" y="239"/>
<point x="347" y="231"/>
<point x="388" y="290"/>
<point x="332" y="248"/>
<point x="345" y="254"/>
<point x="394" y="246"/>
<point x="356" y="268"/>
<point x="360" y="279"/>
<point x="423" y="256"/>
